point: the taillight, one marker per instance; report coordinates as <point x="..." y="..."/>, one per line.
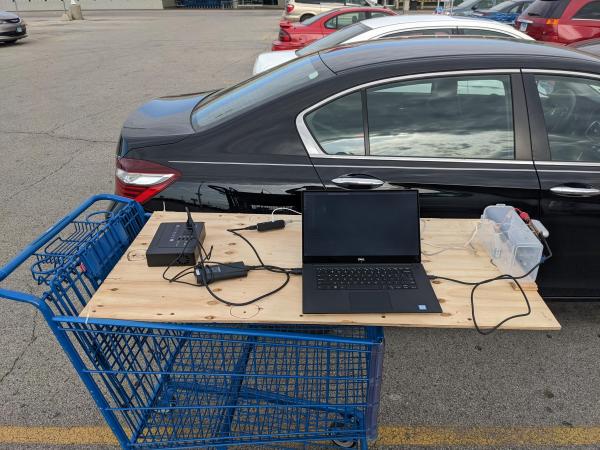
<point x="289" y="7"/>
<point x="551" y="21"/>
<point x="141" y="180"/>
<point x="284" y="36"/>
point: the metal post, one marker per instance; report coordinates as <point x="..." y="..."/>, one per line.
<point x="16" y="6"/>
<point x="75" y="10"/>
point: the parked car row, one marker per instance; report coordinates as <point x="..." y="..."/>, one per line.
<point x="12" y="28"/>
<point x="408" y="26"/>
<point x="558" y="21"/>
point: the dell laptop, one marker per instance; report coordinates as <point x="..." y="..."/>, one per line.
<point x="361" y="253"/>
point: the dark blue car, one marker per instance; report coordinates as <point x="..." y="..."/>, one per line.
<point x="506" y="12"/>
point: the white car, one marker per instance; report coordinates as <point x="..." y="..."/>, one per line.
<point x="396" y="27"/>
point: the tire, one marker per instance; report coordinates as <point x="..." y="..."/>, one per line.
<point x="305" y="16"/>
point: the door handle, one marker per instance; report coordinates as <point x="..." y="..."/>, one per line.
<point x="358" y="181"/>
<point x="572" y="191"/>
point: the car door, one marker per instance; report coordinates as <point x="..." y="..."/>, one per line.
<point x="460" y="138"/>
<point x="565" y="123"/>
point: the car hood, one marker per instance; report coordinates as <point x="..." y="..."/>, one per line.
<point x="4" y="15"/>
<point x="266" y="61"/>
<point x="161" y="121"/>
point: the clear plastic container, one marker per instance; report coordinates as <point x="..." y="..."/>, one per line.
<point x="512" y="246"/>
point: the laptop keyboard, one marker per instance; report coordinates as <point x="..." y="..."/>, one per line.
<point x="368" y="277"/>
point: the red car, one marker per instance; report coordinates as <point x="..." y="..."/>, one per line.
<point x="561" y="21"/>
<point x="296" y="35"/>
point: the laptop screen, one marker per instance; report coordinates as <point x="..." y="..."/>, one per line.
<point x="361" y="226"/>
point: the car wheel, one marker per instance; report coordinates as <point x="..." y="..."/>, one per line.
<point x="305" y="16"/>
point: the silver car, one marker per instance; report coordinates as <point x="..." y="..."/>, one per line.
<point x="12" y="28"/>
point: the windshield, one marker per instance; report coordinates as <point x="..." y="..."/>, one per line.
<point x="547" y="9"/>
<point x="333" y="39"/>
<point x="249" y="94"/>
<point x="467" y="4"/>
<point x="504" y="6"/>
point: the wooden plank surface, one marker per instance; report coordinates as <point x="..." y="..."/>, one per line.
<point x="134" y="291"/>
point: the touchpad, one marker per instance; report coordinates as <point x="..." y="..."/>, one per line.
<point x="370" y="302"/>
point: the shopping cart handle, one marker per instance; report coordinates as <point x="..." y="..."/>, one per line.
<point x="48" y="235"/>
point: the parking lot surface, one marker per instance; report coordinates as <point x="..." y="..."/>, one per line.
<point x="66" y="91"/>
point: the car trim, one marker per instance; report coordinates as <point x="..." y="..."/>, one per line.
<point x="567" y="171"/>
<point x="426" y="159"/>
<point x="421" y="167"/>
<point x="349" y="166"/>
<point x="561" y="72"/>
<point x="231" y="163"/>
<point x="567" y="163"/>
<point x="314" y="150"/>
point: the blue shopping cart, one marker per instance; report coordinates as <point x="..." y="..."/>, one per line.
<point x="175" y="386"/>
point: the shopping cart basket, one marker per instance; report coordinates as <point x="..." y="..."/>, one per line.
<point x="167" y="386"/>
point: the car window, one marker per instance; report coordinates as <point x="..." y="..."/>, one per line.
<point x="547" y="9"/>
<point x="479" y="32"/>
<point x="485" y="4"/>
<point x="343" y="20"/>
<point x="505" y="6"/>
<point x="338" y="126"/>
<point x="231" y="102"/>
<point x="374" y="15"/>
<point x="429" y="32"/>
<point x="571" y="109"/>
<point x="591" y="11"/>
<point x="333" y="39"/>
<point x="455" y="117"/>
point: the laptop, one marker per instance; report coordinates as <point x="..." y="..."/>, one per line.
<point x="361" y="253"/>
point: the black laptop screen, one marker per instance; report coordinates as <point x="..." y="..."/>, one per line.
<point x="361" y="226"/>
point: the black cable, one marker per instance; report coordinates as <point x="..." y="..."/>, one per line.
<point x="515" y="279"/>
<point x="205" y="257"/>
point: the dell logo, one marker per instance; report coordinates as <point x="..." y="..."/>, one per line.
<point x="361" y="259"/>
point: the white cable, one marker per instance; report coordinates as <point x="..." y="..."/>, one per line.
<point x="282" y="209"/>
<point x="450" y="247"/>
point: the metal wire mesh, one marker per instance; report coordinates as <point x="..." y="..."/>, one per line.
<point x="167" y="386"/>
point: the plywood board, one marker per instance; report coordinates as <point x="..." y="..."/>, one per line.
<point x="134" y="291"/>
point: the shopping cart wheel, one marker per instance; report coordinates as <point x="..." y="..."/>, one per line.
<point x="339" y="426"/>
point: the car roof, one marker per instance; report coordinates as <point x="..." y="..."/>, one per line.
<point x="383" y="51"/>
<point x="429" y="19"/>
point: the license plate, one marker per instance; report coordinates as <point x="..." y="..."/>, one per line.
<point x="523" y="26"/>
<point x="19" y="30"/>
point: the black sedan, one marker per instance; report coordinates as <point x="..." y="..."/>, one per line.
<point x="469" y="122"/>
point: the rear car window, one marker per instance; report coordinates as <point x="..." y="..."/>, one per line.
<point x="316" y="18"/>
<point x="427" y="32"/>
<point x="333" y="39"/>
<point x="547" y="9"/>
<point x="231" y="102"/>
<point x="591" y="11"/>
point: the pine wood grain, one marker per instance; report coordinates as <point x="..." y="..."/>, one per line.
<point x="134" y="291"/>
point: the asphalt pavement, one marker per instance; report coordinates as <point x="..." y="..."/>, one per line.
<point x="64" y="93"/>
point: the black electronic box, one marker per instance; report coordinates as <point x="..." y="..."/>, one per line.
<point x="176" y="244"/>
